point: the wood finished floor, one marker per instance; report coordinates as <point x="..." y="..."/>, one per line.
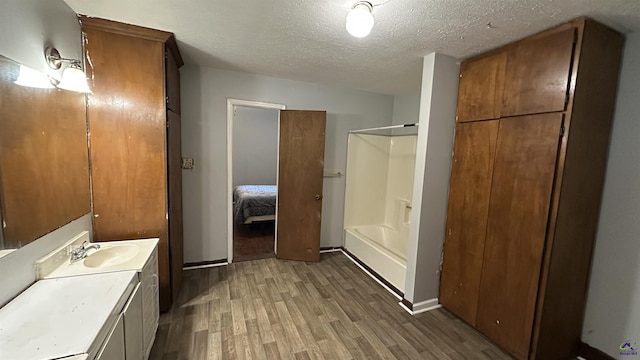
<point x="253" y="241"/>
<point x="274" y="309"/>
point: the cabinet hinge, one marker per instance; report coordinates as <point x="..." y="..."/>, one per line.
<point x="166" y="99"/>
<point x="562" y="130"/>
<point x="167" y="124"/>
<point x="166" y="54"/>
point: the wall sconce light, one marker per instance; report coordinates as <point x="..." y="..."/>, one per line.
<point x="360" y="19"/>
<point x="73" y="78"/>
<point x="33" y="78"/>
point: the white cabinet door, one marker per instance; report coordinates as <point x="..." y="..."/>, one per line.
<point x="132" y="313"/>
<point x="113" y="346"/>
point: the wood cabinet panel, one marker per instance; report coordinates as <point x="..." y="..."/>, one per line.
<point x="541" y="226"/>
<point x="537" y="74"/>
<point x="471" y="172"/>
<point x="175" y="200"/>
<point x="564" y="285"/>
<point x="126" y="115"/>
<point x="480" y="88"/>
<point x="173" y="82"/>
<point x="518" y="212"/>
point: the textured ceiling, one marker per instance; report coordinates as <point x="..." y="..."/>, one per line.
<point x="306" y="40"/>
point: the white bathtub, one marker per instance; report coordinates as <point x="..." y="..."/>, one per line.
<point x="381" y="248"/>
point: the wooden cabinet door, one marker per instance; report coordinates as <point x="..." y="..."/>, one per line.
<point x="523" y="176"/>
<point x="480" y="88"/>
<point x="127" y="123"/>
<point x="174" y="167"/>
<point x="473" y="156"/>
<point x="300" y="171"/>
<point x="537" y="74"/>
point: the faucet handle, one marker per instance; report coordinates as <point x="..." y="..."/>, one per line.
<point x="84" y="245"/>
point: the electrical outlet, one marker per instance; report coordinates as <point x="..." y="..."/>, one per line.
<point x="188" y="163"/>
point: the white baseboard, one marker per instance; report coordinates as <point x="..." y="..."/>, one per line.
<point x="422" y="306"/>
<point x="330" y="250"/>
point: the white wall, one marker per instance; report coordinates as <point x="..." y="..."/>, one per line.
<point x="27" y="25"/>
<point x="613" y="303"/>
<point x="255" y="146"/>
<point x="431" y="183"/>
<point x="204" y="95"/>
<point x="406" y="108"/>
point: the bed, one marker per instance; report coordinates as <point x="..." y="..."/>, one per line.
<point x="252" y="203"/>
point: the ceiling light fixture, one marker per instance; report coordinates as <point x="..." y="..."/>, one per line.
<point x="360" y="19"/>
<point x="73" y="78"/>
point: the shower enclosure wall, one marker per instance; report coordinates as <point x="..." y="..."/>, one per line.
<point x="379" y="186"/>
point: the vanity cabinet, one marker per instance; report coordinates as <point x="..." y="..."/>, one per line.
<point x="150" y="316"/>
<point x="526" y="183"/>
<point x="133" y="325"/>
<point x="134" y="154"/>
<point x="63" y="317"/>
<point x="114" y="345"/>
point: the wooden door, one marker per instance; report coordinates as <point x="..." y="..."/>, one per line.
<point x="480" y="88"/>
<point x="473" y="156"/>
<point x="174" y="168"/>
<point x="537" y="74"/>
<point x="300" y="171"/>
<point x="523" y="176"/>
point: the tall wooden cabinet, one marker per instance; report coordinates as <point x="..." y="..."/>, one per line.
<point x="530" y="149"/>
<point x="134" y="141"/>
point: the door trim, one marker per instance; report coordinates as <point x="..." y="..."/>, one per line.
<point x="231" y="104"/>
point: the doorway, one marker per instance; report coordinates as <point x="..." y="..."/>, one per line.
<point x="253" y="138"/>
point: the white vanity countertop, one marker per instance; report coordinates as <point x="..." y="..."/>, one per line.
<point x="145" y="247"/>
<point x="57" y="318"/>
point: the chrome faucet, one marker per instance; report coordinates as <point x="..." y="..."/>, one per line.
<point x="81" y="252"/>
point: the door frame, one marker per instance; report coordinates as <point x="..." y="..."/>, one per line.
<point x="231" y="104"/>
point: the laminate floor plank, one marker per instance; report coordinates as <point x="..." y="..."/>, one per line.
<point x="329" y="310"/>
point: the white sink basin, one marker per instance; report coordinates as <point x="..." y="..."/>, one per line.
<point x="111" y="256"/>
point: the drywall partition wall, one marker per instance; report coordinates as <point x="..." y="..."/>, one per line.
<point x="367" y="169"/>
<point x="612" y="315"/>
<point x="204" y="101"/>
<point x="431" y="182"/>
<point x="255" y="146"/>
<point x="406" y="108"/>
<point x="30" y="25"/>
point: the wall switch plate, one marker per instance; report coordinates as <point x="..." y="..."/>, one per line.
<point x="188" y="163"/>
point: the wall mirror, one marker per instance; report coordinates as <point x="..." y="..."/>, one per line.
<point x="44" y="167"/>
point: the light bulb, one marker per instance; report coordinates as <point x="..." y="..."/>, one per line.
<point x="360" y="19"/>
<point x="74" y="79"/>
<point x="33" y="78"/>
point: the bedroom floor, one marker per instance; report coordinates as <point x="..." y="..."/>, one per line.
<point x="274" y="309"/>
<point x="253" y="241"/>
